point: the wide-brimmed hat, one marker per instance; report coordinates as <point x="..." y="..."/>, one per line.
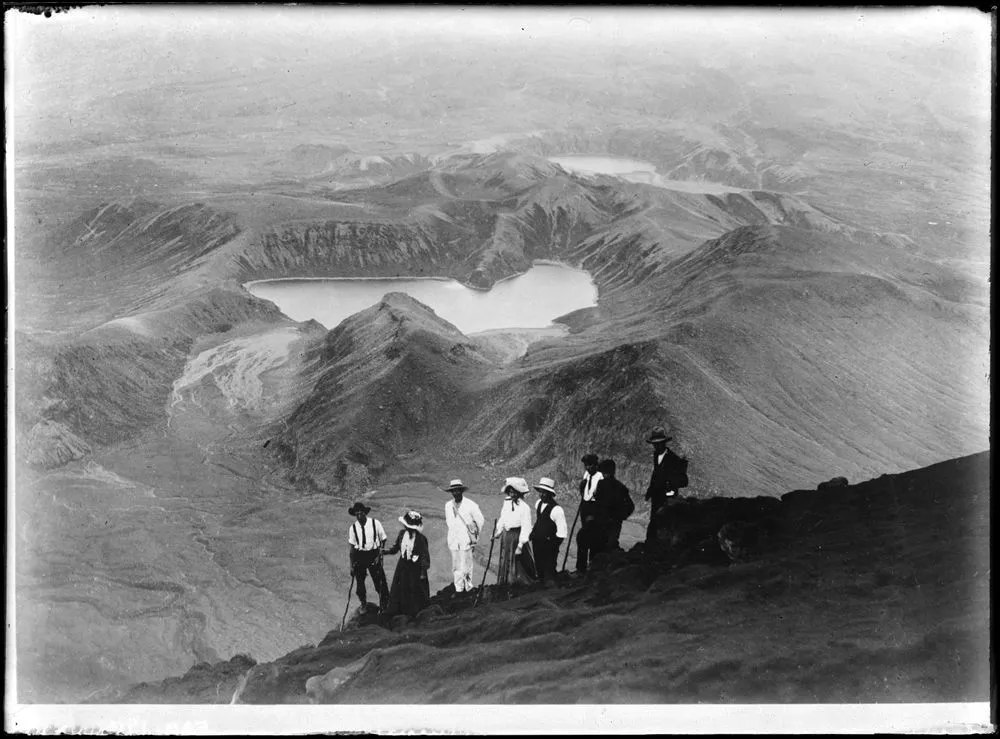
<point x="357" y="508"/>
<point x="518" y="484"/>
<point x="658" y="434"/>
<point x="589" y="459"/>
<point x="546" y="485"/>
<point x="412" y="520"/>
<point x="455" y="485"/>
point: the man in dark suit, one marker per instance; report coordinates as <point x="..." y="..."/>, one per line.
<point x="669" y="475"/>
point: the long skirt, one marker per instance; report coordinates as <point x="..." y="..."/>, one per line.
<point x="512" y="568"/>
<point x="410" y="592"/>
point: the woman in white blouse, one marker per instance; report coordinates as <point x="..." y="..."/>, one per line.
<point x="513" y="528"/>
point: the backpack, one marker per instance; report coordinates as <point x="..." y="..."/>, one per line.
<point x="682" y="473"/>
<point x="625" y="503"/>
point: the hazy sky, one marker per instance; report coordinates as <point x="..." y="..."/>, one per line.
<point x="76" y="47"/>
<point x="613" y="25"/>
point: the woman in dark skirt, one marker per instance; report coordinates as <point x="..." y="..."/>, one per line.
<point x="513" y="528"/>
<point x="410" y="591"/>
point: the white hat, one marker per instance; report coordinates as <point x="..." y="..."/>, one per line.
<point x="412" y="520"/>
<point x="546" y="484"/>
<point x="456" y="485"/>
<point x="518" y="483"/>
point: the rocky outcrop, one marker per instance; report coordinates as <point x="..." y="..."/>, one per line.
<point x="833" y="482"/>
<point x="220" y="681"/>
<point x="743" y="527"/>
<point x="115" y="380"/>
<point x="51" y="444"/>
<point x="322" y="688"/>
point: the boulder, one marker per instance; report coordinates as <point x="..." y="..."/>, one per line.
<point x="431" y="613"/>
<point x="742" y="540"/>
<point x="835" y="482"/>
<point x="321" y="688"/>
<point x="398" y="622"/>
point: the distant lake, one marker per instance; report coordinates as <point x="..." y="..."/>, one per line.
<point x="530" y="300"/>
<point x="590" y="164"/>
<point x="634" y="170"/>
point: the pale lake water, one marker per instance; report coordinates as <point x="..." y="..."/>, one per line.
<point x="530" y="300"/>
<point x="634" y="170"/>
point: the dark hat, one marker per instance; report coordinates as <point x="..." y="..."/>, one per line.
<point x="357" y="508"/>
<point x="607" y="466"/>
<point x="455" y="486"/>
<point x="412" y="520"/>
<point x="658" y="434"/>
<point x="589" y="459"/>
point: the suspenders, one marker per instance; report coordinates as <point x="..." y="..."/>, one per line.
<point x="361" y="539"/>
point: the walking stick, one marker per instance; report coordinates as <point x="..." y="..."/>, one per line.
<point x="569" y="539"/>
<point x="383" y="591"/>
<point x="486" y="569"/>
<point x="348" y="605"/>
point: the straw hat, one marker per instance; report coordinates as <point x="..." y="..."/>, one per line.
<point x="546" y="485"/>
<point x="517" y="484"/>
<point x="455" y="485"/>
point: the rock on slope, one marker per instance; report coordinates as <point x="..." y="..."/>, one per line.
<point x="904" y="558"/>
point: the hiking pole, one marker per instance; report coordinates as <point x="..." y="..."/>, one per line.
<point x="569" y="539"/>
<point x="348" y="605"/>
<point x="486" y="569"/>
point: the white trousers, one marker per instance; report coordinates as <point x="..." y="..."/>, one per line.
<point x="461" y="569"/>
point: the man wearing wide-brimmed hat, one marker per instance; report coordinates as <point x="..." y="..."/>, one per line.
<point x="366" y="537"/>
<point x="669" y="475"/>
<point x="465" y="522"/>
<point x="549" y="531"/>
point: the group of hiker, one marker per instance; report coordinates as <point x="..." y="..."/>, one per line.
<point x="529" y="544"/>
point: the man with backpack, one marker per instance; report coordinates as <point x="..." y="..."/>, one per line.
<point x="549" y="530"/>
<point x="669" y="475"/>
<point x="620" y="505"/>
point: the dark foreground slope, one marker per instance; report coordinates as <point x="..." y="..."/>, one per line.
<point x="876" y="592"/>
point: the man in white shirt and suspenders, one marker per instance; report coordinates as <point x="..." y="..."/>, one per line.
<point x="549" y="531"/>
<point x="465" y="522"/>
<point x="366" y="537"/>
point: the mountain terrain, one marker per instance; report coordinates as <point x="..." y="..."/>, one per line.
<point x="796" y="284"/>
<point x="780" y="345"/>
